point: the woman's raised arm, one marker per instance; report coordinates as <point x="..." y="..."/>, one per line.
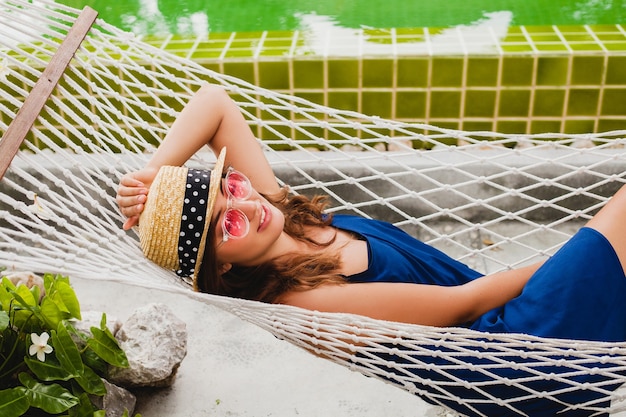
<point x="210" y="118"/>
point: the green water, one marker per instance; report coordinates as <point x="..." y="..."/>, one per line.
<point x="161" y="17"/>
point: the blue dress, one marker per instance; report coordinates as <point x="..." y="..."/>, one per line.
<point x="579" y="293"/>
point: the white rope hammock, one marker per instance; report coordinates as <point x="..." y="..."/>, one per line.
<point x="483" y="197"/>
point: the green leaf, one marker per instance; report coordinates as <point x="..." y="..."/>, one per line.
<point x="60" y="302"/>
<point x="48" y="370"/>
<point x="7" y="284"/>
<point x="95" y="362"/>
<point x="65" y="294"/>
<point x="66" y="350"/>
<point x="105" y="345"/>
<point x="36" y="292"/>
<point x="48" y="282"/>
<point x="61" y="278"/>
<point x="25" y="297"/>
<point x="22" y="303"/>
<point x="84" y="409"/>
<point x="91" y="382"/>
<point x="5" y="296"/>
<point x="51" y="313"/>
<point x="52" y="398"/>
<point x="13" y="402"/>
<point x="4" y="320"/>
<point x="56" y="298"/>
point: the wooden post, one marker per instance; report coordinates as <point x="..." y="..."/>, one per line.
<point x="25" y="118"/>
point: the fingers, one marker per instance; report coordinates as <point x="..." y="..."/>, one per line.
<point x="130" y="222"/>
<point x="130" y="181"/>
<point x="142" y="178"/>
<point x="131" y="205"/>
<point x="132" y="195"/>
<point x="129" y="195"/>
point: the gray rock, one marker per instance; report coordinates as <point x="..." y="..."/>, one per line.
<point x="116" y="401"/>
<point x="155" y="343"/>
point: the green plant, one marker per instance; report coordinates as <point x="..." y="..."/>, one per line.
<point x="43" y="370"/>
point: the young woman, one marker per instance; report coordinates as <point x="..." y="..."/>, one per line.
<point x="259" y="243"/>
<point x="294" y="254"/>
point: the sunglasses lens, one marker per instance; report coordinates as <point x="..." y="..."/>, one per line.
<point x="235" y="223"/>
<point x="238" y="185"/>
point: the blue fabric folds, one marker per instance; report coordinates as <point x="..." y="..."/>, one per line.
<point x="577" y="294"/>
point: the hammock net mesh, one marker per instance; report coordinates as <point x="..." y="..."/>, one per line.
<point x="491" y="200"/>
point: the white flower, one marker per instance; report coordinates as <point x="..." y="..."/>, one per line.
<point x="40" y="346"/>
<point x="39" y="209"/>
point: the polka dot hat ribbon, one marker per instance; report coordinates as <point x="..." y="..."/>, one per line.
<point x="192" y="220"/>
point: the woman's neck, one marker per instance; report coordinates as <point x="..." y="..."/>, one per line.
<point x="352" y="250"/>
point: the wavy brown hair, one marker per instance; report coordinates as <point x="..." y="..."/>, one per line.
<point x="291" y="272"/>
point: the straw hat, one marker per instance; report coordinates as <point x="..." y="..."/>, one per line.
<point x="175" y="221"/>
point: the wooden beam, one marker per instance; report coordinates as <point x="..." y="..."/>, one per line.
<point x="25" y="118"/>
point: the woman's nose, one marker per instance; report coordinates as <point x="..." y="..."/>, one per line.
<point x="248" y="207"/>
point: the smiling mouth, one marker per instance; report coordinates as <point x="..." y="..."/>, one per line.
<point x="264" y="216"/>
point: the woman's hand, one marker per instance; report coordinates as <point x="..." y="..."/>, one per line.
<point x="132" y="194"/>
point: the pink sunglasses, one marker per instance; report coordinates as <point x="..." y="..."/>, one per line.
<point x="235" y="223"/>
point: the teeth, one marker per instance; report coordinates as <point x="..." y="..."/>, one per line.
<point x="262" y="216"/>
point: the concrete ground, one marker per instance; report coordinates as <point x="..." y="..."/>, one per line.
<point x="235" y="369"/>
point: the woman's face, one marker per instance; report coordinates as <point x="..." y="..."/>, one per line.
<point x="262" y="241"/>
